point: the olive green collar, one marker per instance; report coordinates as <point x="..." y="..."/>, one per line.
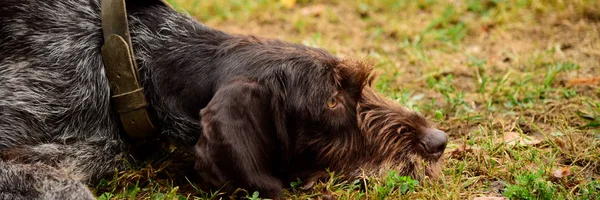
<point x="127" y="95"/>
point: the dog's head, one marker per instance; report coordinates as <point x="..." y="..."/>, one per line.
<point x="337" y="121"/>
<point x="286" y="111"/>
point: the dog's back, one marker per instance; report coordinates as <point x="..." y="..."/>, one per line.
<point x="54" y="97"/>
<point x="50" y="71"/>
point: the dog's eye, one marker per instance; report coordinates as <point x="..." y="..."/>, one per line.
<point x="332" y="102"/>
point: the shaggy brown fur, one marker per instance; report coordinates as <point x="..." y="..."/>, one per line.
<point x="258" y="112"/>
<point x="260" y="135"/>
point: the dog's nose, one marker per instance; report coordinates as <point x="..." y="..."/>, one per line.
<point x="434" y="141"/>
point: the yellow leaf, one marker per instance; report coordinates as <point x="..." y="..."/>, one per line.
<point x="288" y="3"/>
<point x="515" y="138"/>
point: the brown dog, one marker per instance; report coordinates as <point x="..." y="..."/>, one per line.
<point x="258" y="112"/>
<point x="283" y="111"/>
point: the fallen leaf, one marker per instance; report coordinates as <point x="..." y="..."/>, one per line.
<point x="562" y="172"/>
<point x="515" y="138"/>
<point x="461" y="151"/>
<point x="315" y="10"/>
<point x="561" y="144"/>
<point x="585" y="81"/>
<point x="288" y="3"/>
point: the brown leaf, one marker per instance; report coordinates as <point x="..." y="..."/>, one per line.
<point x="561" y="143"/>
<point x="515" y="138"/>
<point x="562" y="172"/>
<point x="315" y="10"/>
<point x="585" y="81"/>
<point x="461" y="151"/>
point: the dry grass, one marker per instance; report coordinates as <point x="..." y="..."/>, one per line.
<point x="483" y="70"/>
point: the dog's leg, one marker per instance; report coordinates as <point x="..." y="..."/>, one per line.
<point x="39" y="181"/>
<point x="88" y="160"/>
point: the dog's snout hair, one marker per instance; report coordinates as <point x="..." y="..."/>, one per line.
<point x="257" y="112"/>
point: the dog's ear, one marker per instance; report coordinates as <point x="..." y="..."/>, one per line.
<point x="239" y="140"/>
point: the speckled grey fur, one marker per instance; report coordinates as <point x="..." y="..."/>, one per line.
<point x="39" y="181"/>
<point x="55" y="111"/>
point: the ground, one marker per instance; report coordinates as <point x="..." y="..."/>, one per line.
<point x="515" y="84"/>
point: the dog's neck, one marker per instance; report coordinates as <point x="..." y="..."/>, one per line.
<point x="166" y="51"/>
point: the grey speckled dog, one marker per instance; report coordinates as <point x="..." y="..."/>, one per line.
<point x="257" y="112"/>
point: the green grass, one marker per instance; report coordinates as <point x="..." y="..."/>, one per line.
<point x="479" y="69"/>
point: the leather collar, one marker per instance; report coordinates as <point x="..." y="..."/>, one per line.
<point x="127" y="95"/>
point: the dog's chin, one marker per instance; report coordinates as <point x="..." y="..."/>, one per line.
<point x="434" y="170"/>
<point x="413" y="165"/>
<point x="426" y="167"/>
